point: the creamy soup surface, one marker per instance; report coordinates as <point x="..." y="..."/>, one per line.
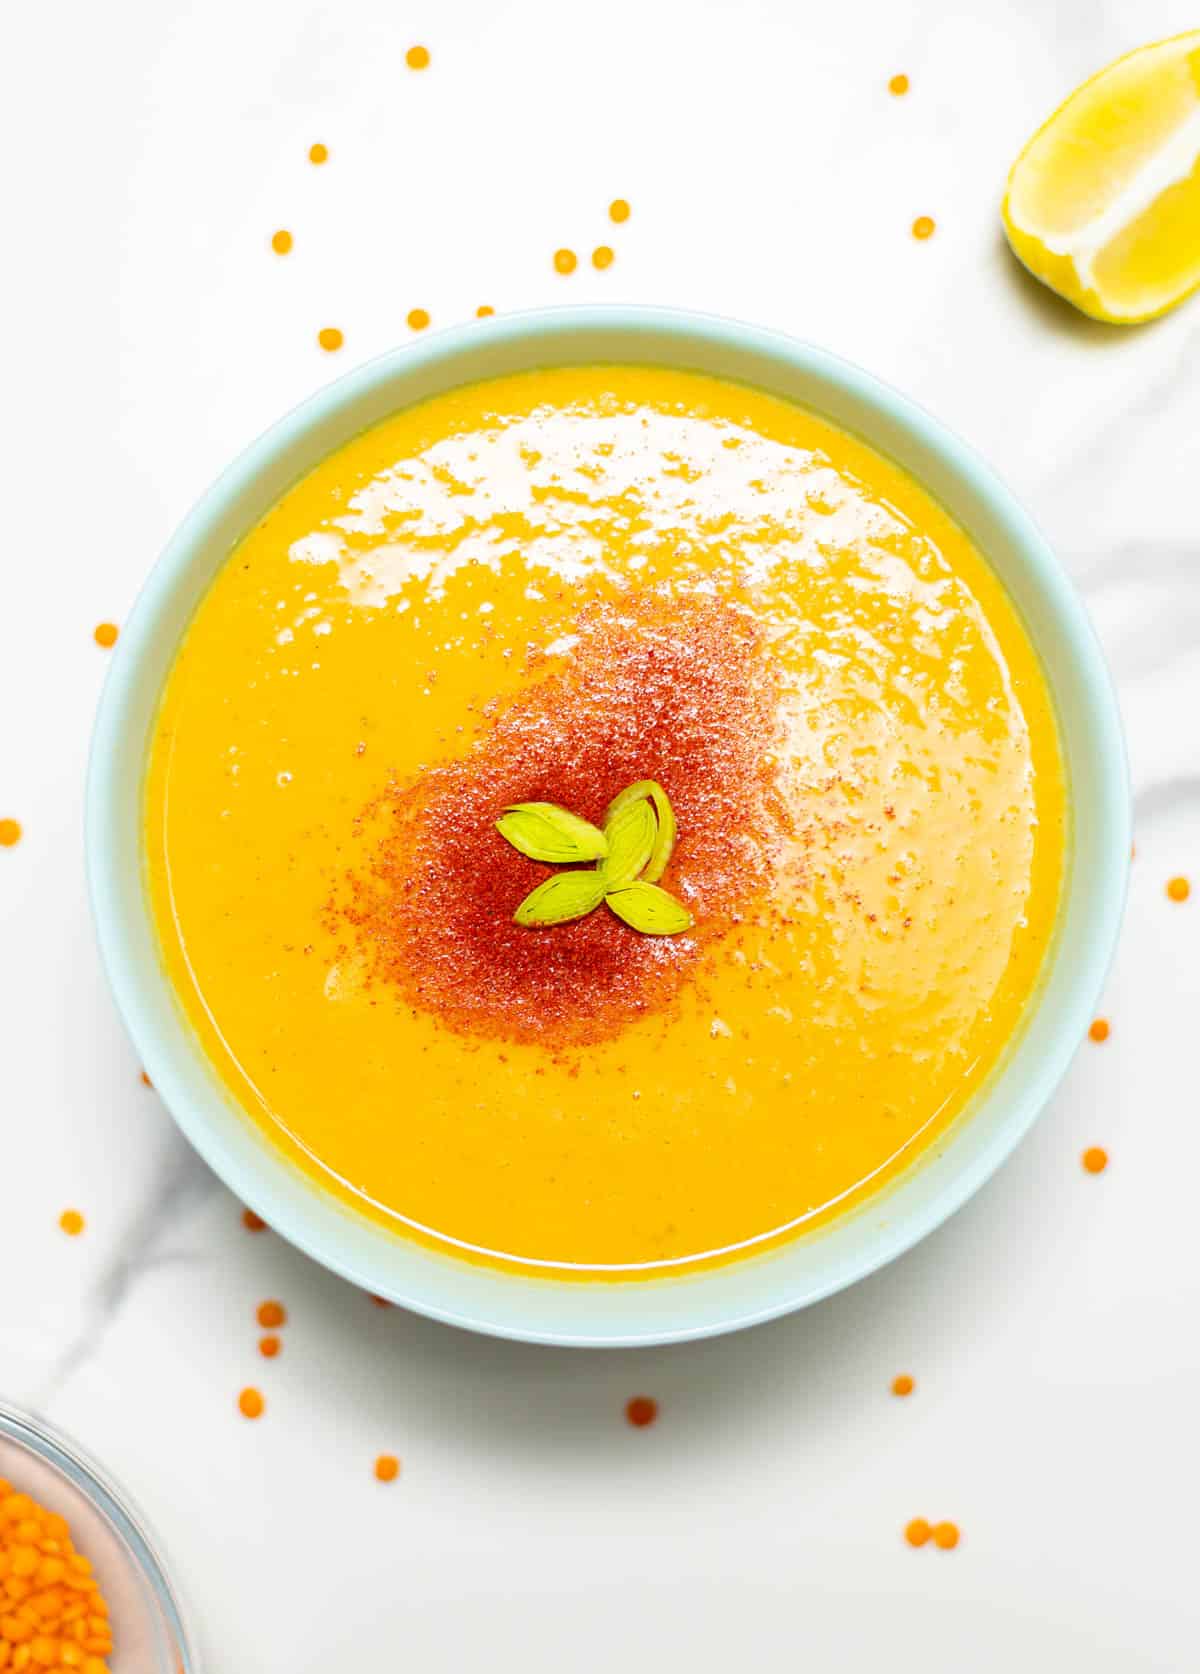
<point x="545" y="588"/>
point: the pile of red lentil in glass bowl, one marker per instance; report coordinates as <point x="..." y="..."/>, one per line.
<point x="82" y="1586"/>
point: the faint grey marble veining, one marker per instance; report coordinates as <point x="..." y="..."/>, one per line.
<point x="1140" y="562"/>
<point x="1144" y="595"/>
<point x="1165" y="796"/>
<point x="1159" y="638"/>
<point x="179" y="1182"/>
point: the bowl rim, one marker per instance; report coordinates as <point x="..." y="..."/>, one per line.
<point x="302" y="1217"/>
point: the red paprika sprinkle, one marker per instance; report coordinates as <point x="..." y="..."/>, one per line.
<point x="674" y="690"/>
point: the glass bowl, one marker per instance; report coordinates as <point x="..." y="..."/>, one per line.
<point x="149" y="1632"/>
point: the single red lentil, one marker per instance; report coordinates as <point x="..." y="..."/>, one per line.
<point x="271" y="1315"/>
<point x="641" y="1411"/>
<point x="253" y="1222"/>
<point x="1100" y="1030"/>
<point x="903" y="1384"/>
<point x="387" y="1467"/>
<point x="1179" y="889"/>
<point x="269" y="1347"/>
<point x="251" y="1403"/>
<point x="1095" y="1159"/>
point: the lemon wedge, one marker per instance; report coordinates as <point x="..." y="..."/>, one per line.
<point x="1103" y="204"/>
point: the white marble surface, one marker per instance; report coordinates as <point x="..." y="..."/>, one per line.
<point x="150" y="148"/>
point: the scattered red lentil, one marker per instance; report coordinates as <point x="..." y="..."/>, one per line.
<point x="387" y="1467"/>
<point x="641" y="1410"/>
<point x="53" y="1616"/>
<point x="898" y="85"/>
<point x="680" y="696"/>
<point x="945" y="1535"/>
<point x="418" y="319"/>
<point x="281" y="242"/>
<point x="269" y="1347"/>
<point x="253" y="1222"/>
<point x="330" y="338"/>
<point x="318" y="153"/>
<point x="271" y="1315"/>
<point x="923" y="226"/>
<point x="251" y="1403"/>
<point x="565" y="261"/>
<point x="381" y="1301"/>
<point x="10" y="833"/>
<point x="602" y="256"/>
<point x="72" y="1222"/>
<point x="1095" y="1159"/>
<point x="417" y="58"/>
<point x="618" y="210"/>
<point x="917" y="1532"/>
<point x="146" y="1081"/>
<point x="1179" y="889"/>
<point x="903" y="1385"/>
<point x="484" y="309"/>
<point x="105" y="635"/>
<point x="1100" y="1030"/>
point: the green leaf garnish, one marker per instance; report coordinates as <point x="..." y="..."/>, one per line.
<point x="559" y="899"/>
<point x="631" y="833"/>
<point x="544" y="831"/>
<point x="646" y="907"/>
<point x="630" y="855"/>
<point x="650" y="790"/>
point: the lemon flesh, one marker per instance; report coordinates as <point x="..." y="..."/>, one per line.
<point x="1103" y="204"/>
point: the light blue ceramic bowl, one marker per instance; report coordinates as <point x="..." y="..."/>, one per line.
<point x="813" y="1266"/>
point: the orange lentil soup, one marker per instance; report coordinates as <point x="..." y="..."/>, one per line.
<point x="543" y="589"/>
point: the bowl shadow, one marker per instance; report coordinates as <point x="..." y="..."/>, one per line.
<point x="548" y="1405"/>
